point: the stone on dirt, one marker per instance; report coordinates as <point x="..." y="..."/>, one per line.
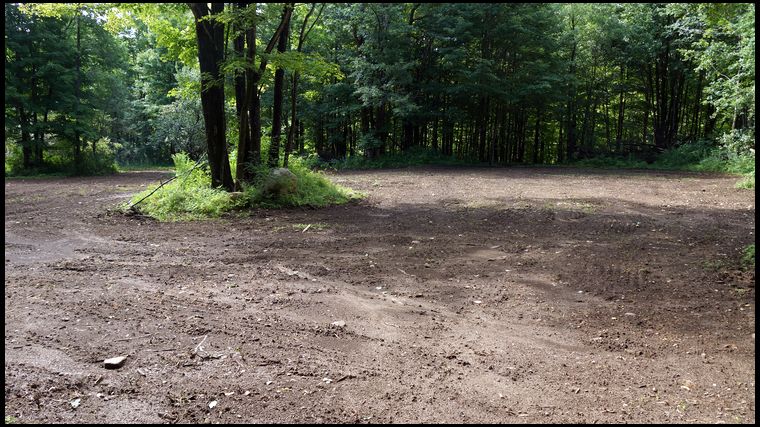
<point x="339" y="323"/>
<point x="280" y="182"/>
<point x="114" y="362"/>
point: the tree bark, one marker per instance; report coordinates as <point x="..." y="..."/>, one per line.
<point x="210" y="35"/>
<point x="294" y="84"/>
<point x="279" y="77"/>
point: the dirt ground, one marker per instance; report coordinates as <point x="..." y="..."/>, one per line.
<point x="520" y="295"/>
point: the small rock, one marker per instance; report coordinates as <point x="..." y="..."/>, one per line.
<point x="478" y="302"/>
<point x="114" y="362"/>
<point x="269" y="382"/>
<point x="629" y="314"/>
<point x="327" y="380"/>
<point x="339" y="323"/>
<point x="212" y="404"/>
<point x="75" y="403"/>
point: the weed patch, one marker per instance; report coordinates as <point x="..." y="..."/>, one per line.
<point x="190" y="196"/>
<point x="748" y="257"/>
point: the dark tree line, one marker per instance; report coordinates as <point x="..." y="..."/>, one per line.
<point x="499" y="83"/>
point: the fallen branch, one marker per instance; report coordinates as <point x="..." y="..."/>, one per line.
<point x="197" y="163"/>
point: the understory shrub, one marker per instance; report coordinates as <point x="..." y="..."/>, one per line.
<point x="190" y="196"/>
<point x="58" y="160"/>
<point x="734" y="154"/>
<point x="748" y="257"/>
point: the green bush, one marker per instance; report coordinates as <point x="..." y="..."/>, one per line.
<point x="748" y="257"/>
<point x="733" y="155"/>
<point x="59" y="160"/>
<point x="313" y="189"/>
<point x="190" y="196"/>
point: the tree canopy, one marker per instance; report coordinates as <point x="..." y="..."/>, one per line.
<point x="251" y="84"/>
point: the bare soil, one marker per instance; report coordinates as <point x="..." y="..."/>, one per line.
<point x="469" y="295"/>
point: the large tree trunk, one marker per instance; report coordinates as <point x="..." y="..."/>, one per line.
<point x="210" y="35"/>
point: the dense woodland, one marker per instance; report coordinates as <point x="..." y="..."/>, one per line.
<point x="256" y="84"/>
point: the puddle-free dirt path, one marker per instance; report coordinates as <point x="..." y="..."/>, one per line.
<point x="461" y="295"/>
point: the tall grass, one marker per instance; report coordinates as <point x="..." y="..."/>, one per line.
<point x="190" y="196"/>
<point x="701" y="156"/>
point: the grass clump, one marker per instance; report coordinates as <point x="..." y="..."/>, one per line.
<point x="190" y="196"/>
<point x="748" y="257"/>
<point x="313" y="189"/>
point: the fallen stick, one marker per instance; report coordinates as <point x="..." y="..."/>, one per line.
<point x="128" y="339"/>
<point x="195" y="351"/>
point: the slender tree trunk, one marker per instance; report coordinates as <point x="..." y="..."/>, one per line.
<point x="26" y="149"/>
<point x="241" y="108"/>
<point x="621" y="112"/>
<point x="536" y="135"/>
<point x="77" y="94"/>
<point x="294" y="84"/>
<point x="279" y="77"/>
<point x="694" y="134"/>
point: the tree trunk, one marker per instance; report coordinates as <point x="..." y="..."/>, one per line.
<point x="210" y="34"/>
<point x="621" y="112"/>
<point x="536" y="135"/>
<point x="77" y="94"/>
<point x="294" y="85"/>
<point x="279" y="77"/>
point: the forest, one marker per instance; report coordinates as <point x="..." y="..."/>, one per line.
<point x="91" y="86"/>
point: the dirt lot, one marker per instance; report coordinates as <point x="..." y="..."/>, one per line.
<point x="528" y="295"/>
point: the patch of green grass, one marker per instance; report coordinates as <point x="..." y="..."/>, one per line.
<point x="714" y="265"/>
<point x="748" y="257"/>
<point x="313" y="189"/>
<point x="701" y="156"/>
<point x="190" y="196"/>
<point x="10" y="420"/>
<point x="143" y="167"/>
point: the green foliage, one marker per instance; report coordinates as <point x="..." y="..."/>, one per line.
<point x="701" y="156"/>
<point x="190" y="197"/>
<point x="60" y="162"/>
<point x="748" y="257"/>
<point x="313" y="189"/>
